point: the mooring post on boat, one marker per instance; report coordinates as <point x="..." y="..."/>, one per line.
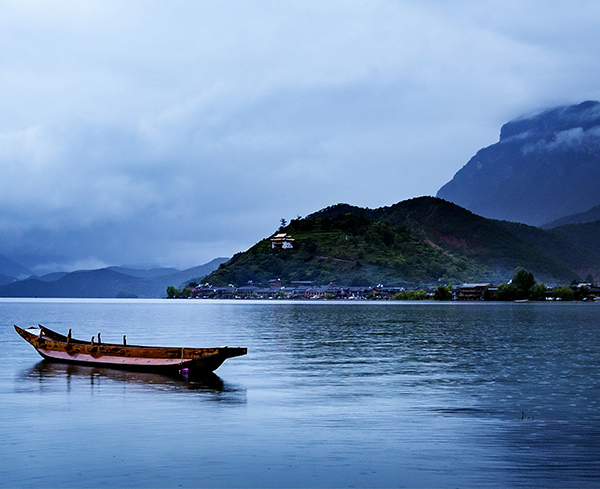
<point x="92" y="341"/>
<point x="69" y="336"/>
<point x="124" y="340"/>
<point x="99" y="340"/>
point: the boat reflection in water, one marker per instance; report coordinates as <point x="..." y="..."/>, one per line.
<point x="209" y="385"/>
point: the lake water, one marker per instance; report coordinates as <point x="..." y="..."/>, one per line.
<point x="351" y="394"/>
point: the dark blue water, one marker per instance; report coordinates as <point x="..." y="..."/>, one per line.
<point x="330" y="395"/>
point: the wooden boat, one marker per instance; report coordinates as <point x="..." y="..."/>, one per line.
<point x="170" y="360"/>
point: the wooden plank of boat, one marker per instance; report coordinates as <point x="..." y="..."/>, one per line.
<point x="56" y="347"/>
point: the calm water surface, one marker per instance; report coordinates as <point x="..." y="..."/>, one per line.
<point x="330" y="395"/>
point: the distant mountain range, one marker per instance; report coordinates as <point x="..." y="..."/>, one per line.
<point x="422" y="240"/>
<point x="543" y="168"/>
<point x="103" y="283"/>
<point x="544" y="171"/>
<point x="11" y="271"/>
<point x="582" y="217"/>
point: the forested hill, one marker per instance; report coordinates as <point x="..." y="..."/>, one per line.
<point x="422" y="240"/>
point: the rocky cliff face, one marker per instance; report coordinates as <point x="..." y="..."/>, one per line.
<point x="544" y="167"/>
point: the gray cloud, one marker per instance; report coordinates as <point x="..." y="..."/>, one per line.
<point x="171" y="134"/>
<point x="574" y="139"/>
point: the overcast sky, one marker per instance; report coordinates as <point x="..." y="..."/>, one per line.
<point x="170" y="133"/>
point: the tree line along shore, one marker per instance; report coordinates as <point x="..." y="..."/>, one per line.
<point x="522" y="287"/>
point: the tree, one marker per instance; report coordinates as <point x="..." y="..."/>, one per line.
<point x="507" y="292"/>
<point x="564" y="293"/>
<point x="173" y="292"/>
<point x="538" y="291"/>
<point x="410" y="295"/>
<point x="283" y="223"/>
<point x="524" y="282"/>
<point x="443" y="293"/>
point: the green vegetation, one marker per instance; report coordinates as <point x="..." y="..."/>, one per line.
<point x="564" y="293"/>
<point x="507" y="292"/>
<point x="443" y="293"/>
<point x="523" y="281"/>
<point x="417" y="242"/>
<point x="347" y="249"/>
<point x="174" y="293"/>
<point x="538" y="292"/>
<point x="522" y="287"/>
<point x="411" y="295"/>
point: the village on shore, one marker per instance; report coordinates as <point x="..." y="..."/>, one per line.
<point x="304" y="290"/>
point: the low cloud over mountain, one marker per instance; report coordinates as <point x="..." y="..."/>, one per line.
<point x="545" y="166"/>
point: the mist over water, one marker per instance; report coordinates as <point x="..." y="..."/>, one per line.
<point x="329" y="395"/>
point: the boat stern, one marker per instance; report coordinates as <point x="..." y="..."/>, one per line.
<point x="233" y="352"/>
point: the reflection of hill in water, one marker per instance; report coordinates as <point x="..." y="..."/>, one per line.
<point x="210" y="386"/>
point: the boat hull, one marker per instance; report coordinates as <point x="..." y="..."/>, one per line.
<point x="55" y="347"/>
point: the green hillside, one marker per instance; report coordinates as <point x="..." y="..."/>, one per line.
<point x="576" y="247"/>
<point x="346" y="249"/>
<point x="586" y="236"/>
<point x="423" y="240"/>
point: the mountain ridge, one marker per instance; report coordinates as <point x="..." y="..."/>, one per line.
<point x="110" y="282"/>
<point x="590" y="215"/>
<point x="11" y="271"/>
<point x="543" y="167"/>
<point x="421" y="240"/>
